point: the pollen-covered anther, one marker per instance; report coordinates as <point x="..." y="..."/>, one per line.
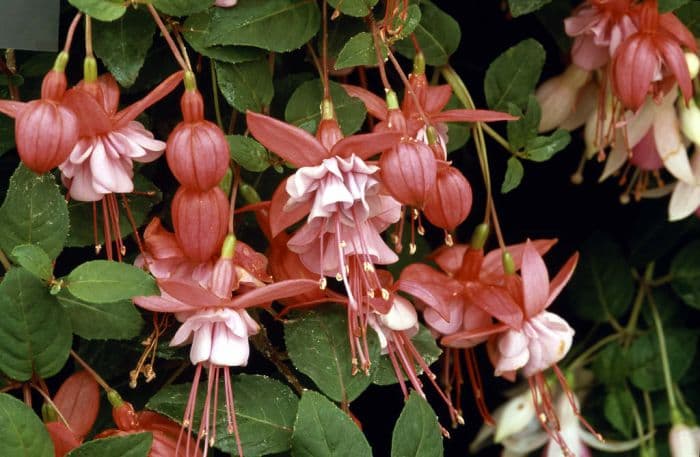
<point x="420" y="229"/>
<point x="415" y="214"/>
<point x="460" y="419"/>
<point x="322" y="283"/>
<point x="98" y="249"/>
<point x="385" y="294"/>
<point x="342" y="244"/>
<point x="412" y="248"/>
<point x="448" y="240"/>
<point x="338" y="277"/>
<point x="133" y="378"/>
<point x="368" y="267"/>
<point x="149" y="373"/>
<point x="370" y="293"/>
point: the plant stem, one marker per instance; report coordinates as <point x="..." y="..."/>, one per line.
<point x="583" y="358"/>
<point x="92" y="372"/>
<point x="664" y="357"/>
<point x="638" y="301"/>
<point x="215" y="94"/>
<point x="4" y="261"/>
<point x="650" y="417"/>
<point x="498" y="138"/>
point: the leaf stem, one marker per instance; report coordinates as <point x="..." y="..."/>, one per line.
<point x="638" y="301"/>
<point x="4" y="261"/>
<point x="92" y="372"/>
<point x="583" y="358"/>
<point x="499" y="139"/>
<point x="215" y="93"/>
<point x="168" y="38"/>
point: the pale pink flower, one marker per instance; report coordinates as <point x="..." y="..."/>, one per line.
<point x="684" y="440"/>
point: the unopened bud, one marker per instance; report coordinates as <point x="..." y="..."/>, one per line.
<point x="691" y="59"/>
<point x="508" y="263"/>
<point x="48" y="413"/>
<point x="690" y="120"/>
<point x="249" y="194"/>
<point x="479" y="237"/>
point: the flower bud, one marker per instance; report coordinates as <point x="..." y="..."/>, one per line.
<point x="684" y="440"/>
<point x="197" y="151"/>
<point x="408" y="172"/>
<point x="200" y="220"/>
<point x="557" y="97"/>
<point x="690" y="120"/>
<point x="450" y="201"/>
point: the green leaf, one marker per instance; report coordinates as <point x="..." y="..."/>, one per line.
<point x="303" y="107"/>
<point x="602" y="286"/>
<point x="197" y="34"/>
<point x="690" y="15"/>
<point x="357" y="8"/>
<point x="102" y="10"/>
<point x="426" y="346"/>
<point x="618" y="404"/>
<point x="265" y="412"/>
<point x="321" y="429"/>
<point x="417" y="432"/>
<point x="523" y="130"/>
<point x="123" y="44"/>
<point x="180" y="7"/>
<point x="35" y="333"/>
<point x="512" y="77"/>
<point x="82" y="231"/>
<point x="520" y="7"/>
<point x="248" y="153"/>
<point x="644" y="357"/>
<point x="22" y="434"/>
<point x="34" y="260"/>
<point x="247" y="85"/>
<point x="7" y="134"/>
<point x="318" y="344"/>
<point x="132" y="445"/>
<point x="542" y="148"/>
<point x="685" y="274"/>
<point x="118" y="320"/>
<point x="669" y="5"/>
<point x="34" y="212"/>
<point x="438" y="35"/>
<point x="359" y="50"/>
<point x="514" y="174"/>
<point x="275" y="25"/>
<point x="104" y="281"/>
<point x="408" y="25"/>
<point x="610" y="365"/>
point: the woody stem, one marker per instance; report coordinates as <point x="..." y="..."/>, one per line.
<point x="168" y="38"/>
<point x="4" y="261"/>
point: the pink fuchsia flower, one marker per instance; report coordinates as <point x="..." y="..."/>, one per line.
<point x="685" y="199"/>
<point x="598" y="28"/>
<point x="559" y="98"/>
<point x="46" y="130"/>
<point x="343" y="201"/>
<point x="651" y="60"/>
<point x="216" y="323"/>
<point x="101" y="162"/>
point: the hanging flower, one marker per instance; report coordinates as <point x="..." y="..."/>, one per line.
<point x="46" y="130"/>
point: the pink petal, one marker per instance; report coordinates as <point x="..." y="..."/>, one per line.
<point x="436" y="98"/>
<point x="11" y="108"/>
<point x="456" y="338"/>
<point x="293" y="144"/>
<point x="281" y="219"/>
<point x="675" y="61"/>
<point x="272" y="292"/>
<point x="188" y="292"/>
<point x="130" y="113"/>
<point x="471" y="115"/>
<point x="496" y="301"/>
<point x="492" y="267"/>
<point x="375" y="105"/>
<point x="638" y="53"/>
<point x="562" y="278"/>
<point x="535" y="281"/>
<point x="449" y="258"/>
<point x="162" y="305"/>
<point x="366" y="145"/>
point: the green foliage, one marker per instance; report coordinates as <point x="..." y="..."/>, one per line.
<point x="35" y="333"/>
<point x="357" y="8"/>
<point x="197" y="35"/>
<point x="123" y="44"/>
<point x="303" y="107"/>
<point x="602" y="286"/>
<point x="417" y="432"/>
<point x="685" y="273"/>
<point x="670" y="5"/>
<point x="275" y="25"/>
<point x="248" y="153"/>
<point x="180" y="7"/>
<point x="34" y="260"/>
<point x="22" y="434"/>
<point x="690" y="15"/>
<point x="521" y="7"/>
<point x="246" y="85"/>
<point x="133" y="445"/>
<point x="103" y="281"/>
<point x="322" y="429"/>
<point x="359" y="50"/>
<point x="7" y="134"/>
<point x="514" y="175"/>
<point x="102" y="10"/>
<point x="512" y="77"/>
<point x="265" y="412"/>
<point x="100" y="321"/>
<point x="643" y="357"/>
<point x="34" y="212"/>
<point x="438" y="35"/>
<point x="318" y="344"/>
<point x="426" y="346"/>
<point x="618" y="404"/>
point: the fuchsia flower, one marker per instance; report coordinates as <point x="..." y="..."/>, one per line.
<point x="651" y="60"/>
<point x="217" y="325"/>
<point x="101" y="162"/>
<point x="599" y="26"/>
<point x="45" y="129"/>
<point x="343" y="197"/>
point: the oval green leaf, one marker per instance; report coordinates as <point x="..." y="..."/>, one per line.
<point x="102" y="321"/>
<point x="247" y="85"/>
<point x="102" y="10"/>
<point x="34" y="260"/>
<point x="417" y="432"/>
<point x="438" y="35"/>
<point x="22" y="434"/>
<point x="104" y="281"/>
<point x="512" y="77"/>
<point x="134" y="445"/>
<point x="248" y="153"/>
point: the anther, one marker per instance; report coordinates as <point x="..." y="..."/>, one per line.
<point x="322" y="283"/>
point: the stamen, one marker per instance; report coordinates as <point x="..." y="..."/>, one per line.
<point x="322" y="283"/>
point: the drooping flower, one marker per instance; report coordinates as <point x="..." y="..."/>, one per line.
<point x="559" y="96"/>
<point x="346" y="206"/>
<point x="46" y="130"/>
<point x="216" y="324"/>
<point x="651" y="60"/>
<point x="684" y="440"/>
<point x="101" y="162"/>
<point x="197" y="151"/>
<point x="685" y="199"/>
<point x="598" y="28"/>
